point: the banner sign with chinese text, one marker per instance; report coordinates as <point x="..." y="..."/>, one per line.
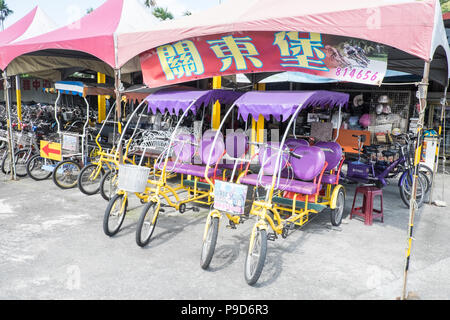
<point x="341" y="58"/>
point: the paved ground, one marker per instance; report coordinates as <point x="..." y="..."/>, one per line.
<point x="52" y="246"/>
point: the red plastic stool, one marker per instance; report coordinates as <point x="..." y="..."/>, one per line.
<point x="367" y="211"/>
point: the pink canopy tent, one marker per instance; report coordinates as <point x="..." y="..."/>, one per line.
<point x="25" y="27"/>
<point x="34" y="23"/>
<point x="413" y="29"/>
<point x="92" y="37"/>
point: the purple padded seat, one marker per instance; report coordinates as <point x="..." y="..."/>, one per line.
<point x="207" y="144"/>
<point x="187" y="169"/>
<point x="293" y="143"/>
<point x="184" y="148"/>
<point x="210" y="135"/>
<point x="236" y="145"/>
<point x="333" y="156"/>
<point x="196" y="170"/>
<point x="310" y="164"/>
<point x="268" y="156"/>
<point x="306" y="168"/>
<point x="292" y="185"/>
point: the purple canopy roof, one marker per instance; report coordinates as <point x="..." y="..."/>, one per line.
<point x="175" y="100"/>
<point x="283" y="104"/>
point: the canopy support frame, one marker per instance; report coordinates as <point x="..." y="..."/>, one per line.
<point x="423" y="92"/>
<point x="10" y="134"/>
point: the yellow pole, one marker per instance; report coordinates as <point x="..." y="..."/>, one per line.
<point x="258" y="126"/>
<point x="19" y="102"/>
<point x="217" y="84"/>
<point x="253" y="137"/>
<point x="101" y="78"/>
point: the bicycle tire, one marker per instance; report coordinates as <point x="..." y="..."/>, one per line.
<point x="406" y="189"/>
<point x="149" y="210"/>
<point x="106" y="217"/>
<point x="22" y="163"/>
<point x="73" y="178"/>
<point x="31" y="164"/>
<point x="82" y="179"/>
<point x="211" y="238"/>
<point x="426" y="170"/>
<point x="107" y="195"/>
<point x="6" y="164"/>
<point x="252" y="274"/>
<point x="338" y="212"/>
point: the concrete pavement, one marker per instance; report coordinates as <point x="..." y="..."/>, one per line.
<point x="52" y="246"/>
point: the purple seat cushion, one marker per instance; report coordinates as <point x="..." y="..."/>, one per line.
<point x="207" y="143"/>
<point x="296" y="186"/>
<point x="309" y="164"/>
<point x="293" y="143"/>
<point x="187" y="169"/>
<point x="333" y="153"/>
<point x="228" y="166"/>
<point x="236" y="144"/>
<point x="329" y="179"/>
<point x="217" y="151"/>
<point x="268" y="156"/>
<point x="184" y="148"/>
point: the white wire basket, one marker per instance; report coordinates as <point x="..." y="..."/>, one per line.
<point x="133" y="178"/>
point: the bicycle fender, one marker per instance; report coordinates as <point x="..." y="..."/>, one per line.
<point x="334" y="195"/>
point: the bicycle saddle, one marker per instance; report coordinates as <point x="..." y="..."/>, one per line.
<point x="389" y="153"/>
<point x="370" y="149"/>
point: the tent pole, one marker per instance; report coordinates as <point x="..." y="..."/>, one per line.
<point x="117" y="90"/>
<point x="436" y="162"/>
<point x="19" y="101"/>
<point x="423" y="91"/>
<point x="7" y="86"/>
<point x="216" y="112"/>
<point x="101" y="79"/>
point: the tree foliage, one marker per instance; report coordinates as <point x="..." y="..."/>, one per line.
<point x="4" y="12"/>
<point x="445" y="5"/>
<point x="162" y="13"/>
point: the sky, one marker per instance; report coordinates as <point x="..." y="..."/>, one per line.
<point x="63" y="12"/>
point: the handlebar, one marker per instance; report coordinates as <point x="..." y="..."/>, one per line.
<point x="295" y="155"/>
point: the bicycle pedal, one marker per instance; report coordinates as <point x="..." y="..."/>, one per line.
<point x="272" y="237"/>
<point x="195" y="209"/>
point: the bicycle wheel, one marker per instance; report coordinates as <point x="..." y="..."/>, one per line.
<point x="406" y="190"/>
<point x="109" y="185"/>
<point x="65" y="174"/>
<point x="256" y="256"/>
<point x="115" y="215"/>
<point x="146" y="224"/>
<point x="426" y="170"/>
<point x="34" y="168"/>
<point x="6" y="164"/>
<point x="336" y="214"/>
<point x="21" y="158"/>
<point x="90" y="178"/>
<point x="209" y="243"/>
